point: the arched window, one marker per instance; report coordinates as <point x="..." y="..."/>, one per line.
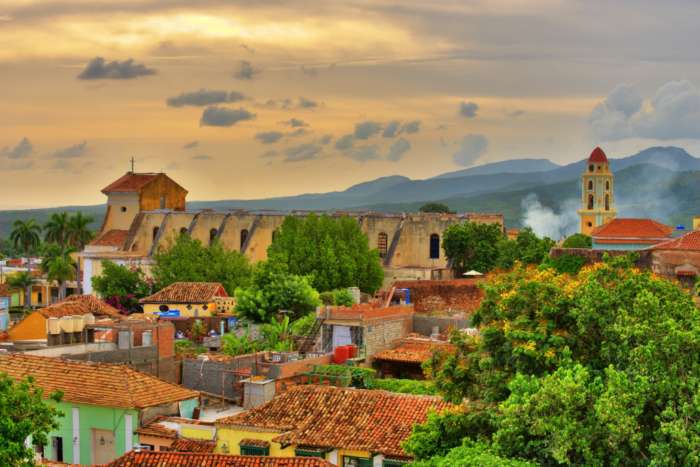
<point x="212" y="235"/>
<point x="590" y="168"/>
<point x="607" y="184"/>
<point x="155" y="233"/>
<point x="244" y="237"/>
<point x="607" y="202"/>
<point x="590" y="201"/>
<point x="184" y="231"/>
<point x="590" y="184"/>
<point x="434" y="246"/>
<point x="382" y="240"/>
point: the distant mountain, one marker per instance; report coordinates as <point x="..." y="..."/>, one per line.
<point x="661" y="181"/>
<point x="515" y="166"/>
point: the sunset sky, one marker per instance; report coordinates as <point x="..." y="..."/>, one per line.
<point x="251" y="99"/>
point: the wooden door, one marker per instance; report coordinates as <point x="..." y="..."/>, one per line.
<point x="103" y="446"/>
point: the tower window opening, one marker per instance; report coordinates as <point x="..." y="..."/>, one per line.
<point x="607" y="185"/>
<point x="590" y="201"/>
<point x="382" y="240"/>
<point x="434" y="246"/>
<point x="607" y="202"/>
<point x="590" y="184"/>
<point x="590" y="168"/>
<point x="123" y="208"/>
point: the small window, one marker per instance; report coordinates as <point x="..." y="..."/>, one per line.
<point x="607" y="185"/>
<point x="244" y="237"/>
<point x="382" y="240"/>
<point x="590" y="184"/>
<point x="434" y="246"/>
<point x="247" y="450"/>
<point x="155" y="232"/>
<point x="607" y="202"/>
<point x="590" y="224"/>
<point x="310" y="452"/>
<point x="212" y="235"/>
<point x="164" y="308"/>
<point x="590" y="168"/>
<point x="352" y="461"/>
<point x="590" y="201"/>
<point x="123" y="208"/>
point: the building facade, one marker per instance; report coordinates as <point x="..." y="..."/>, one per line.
<point x="597" y="193"/>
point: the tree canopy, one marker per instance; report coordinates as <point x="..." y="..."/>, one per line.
<point x="472" y="245"/>
<point x="332" y="251"/>
<point x="578" y="240"/>
<point x="121" y="286"/>
<point x="274" y="289"/>
<point x="435" y="207"/>
<point x="599" y="368"/>
<point x="187" y="260"/>
<point x="24" y="413"/>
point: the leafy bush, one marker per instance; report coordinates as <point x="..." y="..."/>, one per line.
<point x="569" y="264"/>
<point x="578" y="240"/>
<point x="406" y="386"/>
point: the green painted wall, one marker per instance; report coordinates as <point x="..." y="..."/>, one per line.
<point x="91" y="417"/>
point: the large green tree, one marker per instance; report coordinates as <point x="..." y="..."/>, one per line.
<point x="25" y="237"/>
<point x="599" y="368"/>
<point x="187" y="260"/>
<point x="24" y="413"/>
<point x="332" y="251"/>
<point x="78" y="232"/>
<point x="578" y="240"/>
<point x="274" y="290"/>
<point x="435" y="207"/>
<point x="472" y="245"/>
<point x="56" y="229"/>
<point x="527" y="248"/>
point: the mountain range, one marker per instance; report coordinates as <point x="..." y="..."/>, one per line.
<point x="658" y="182"/>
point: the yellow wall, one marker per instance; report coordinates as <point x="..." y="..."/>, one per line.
<point x="30" y="328"/>
<point x="197" y="432"/>
<point x="233" y="436"/>
<point x="197" y="311"/>
<point x="351" y="453"/>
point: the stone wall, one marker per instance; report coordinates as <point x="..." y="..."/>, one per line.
<point x="450" y="297"/>
<point x="381" y="332"/>
<point x="216" y="376"/>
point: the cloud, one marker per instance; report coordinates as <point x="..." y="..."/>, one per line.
<point x="672" y="113"/>
<point x="222" y="116"/>
<point x="71" y="152"/>
<point x="472" y="147"/>
<point x="365" y="130"/>
<point x="245" y="71"/>
<point x="515" y="113"/>
<point x="297" y="132"/>
<point x="397" y="150"/>
<point x="306" y="103"/>
<point x="325" y="139"/>
<point x="98" y="68"/>
<point x="391" y="129"/>
<point x="202" y="157"/>
<point x="363" y="153"/>
<point x="270" y="153"/>
<point x="410" y="127"/>
<point x="296" y="123"/>
<point x="170" y="49"/>
<point x="22" y="150"/>
<point x="309" y="71"/>
<point x="468" y="109"/>
<point x="204" y="97"/>
<point x="303" y="152"/>
<point x="269" y="137"/>
<point x="345" y="142"/>
<point x="191" y="145"/>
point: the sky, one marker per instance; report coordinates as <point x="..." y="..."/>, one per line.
<point x="240" y="100"/>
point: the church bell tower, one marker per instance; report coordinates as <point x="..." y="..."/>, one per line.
<point x="597" y="199"/>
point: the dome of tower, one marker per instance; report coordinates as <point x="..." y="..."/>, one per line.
<point x="598" y="156"/>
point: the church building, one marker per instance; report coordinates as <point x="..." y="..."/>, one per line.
<point x="597" y="199"/>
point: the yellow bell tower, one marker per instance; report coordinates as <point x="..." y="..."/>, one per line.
<point x="597" y="199"/>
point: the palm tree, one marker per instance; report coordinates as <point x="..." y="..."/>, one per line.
<point x="21" y="281"/>
<point x="61" y="269"/>
<point x="56" y="229"/>
<point x="79" y="235"/>
<point x="25" y="237"/>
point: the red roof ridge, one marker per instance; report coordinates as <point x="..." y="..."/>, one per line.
<point x="688" y="242"/>
<point x="632" y="228"/>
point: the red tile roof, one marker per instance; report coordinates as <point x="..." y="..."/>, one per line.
<point x="91" y="383"/>
<point x="640" y="230"/>
<point x="189" y="459"/>
<point x="188" y="292"/>
<point x="130" y="182"/>
<point x="331" y="417"/>
<point x="413" y="350"/>
<point x="112" y="237"/>
<point x="155" y="428"/>
<point x="192" y="445"/>
<point x="598" y="156"/>
<point x="80" y="305"/>
<point x="688" y="242"/>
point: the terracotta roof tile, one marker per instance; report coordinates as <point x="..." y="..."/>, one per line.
<point x="688" y="242"/>
<point x="193" y="445"/>
<point x="598" y="156"/>
<point x="80" y="305"/>
<point x="632" y="229"/>
<point x="325" y="416"/>
<point x="156" y="428"/>
<point x="91" y="383"/>
<point x="187" y="292"/>
<point x="112" y="237"/>
<point x="130" y="182"/>
<point x="189" y="459"/>
<point x="413" y="350"/>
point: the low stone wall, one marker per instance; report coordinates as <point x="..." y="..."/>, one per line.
<point x="424" y="325"/>
<point x="457" y="296"/>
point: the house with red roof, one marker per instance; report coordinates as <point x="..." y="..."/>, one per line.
<point x="630" y="234"/>
<point x="678" y="258"/>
